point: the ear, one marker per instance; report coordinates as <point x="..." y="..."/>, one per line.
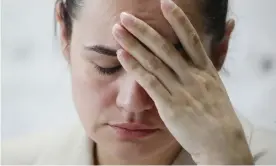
<point x="64" y="38"/>
<point x="220" y="49"/>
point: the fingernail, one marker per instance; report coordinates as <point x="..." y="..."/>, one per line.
<point x="117" y="30"/>
<point x="168" y="5"/>
<point x="123" y="54"/>
<point x="120" y="52"/>
<point x="126" y="19"/>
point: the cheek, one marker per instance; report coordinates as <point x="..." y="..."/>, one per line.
<point x="93" y="91"/>
<point x="88" y="85"/>
<point x="93" y="94"/>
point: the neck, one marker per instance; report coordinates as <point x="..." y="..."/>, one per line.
<point x="104" y="157"/>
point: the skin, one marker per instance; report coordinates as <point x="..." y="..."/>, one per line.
<point x="130" y="95"/>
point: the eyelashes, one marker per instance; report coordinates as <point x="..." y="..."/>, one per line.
<point x="108" y="71"/>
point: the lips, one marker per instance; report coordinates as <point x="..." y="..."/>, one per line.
<point x="128" y="131"/>
<point x="132" y="126"/>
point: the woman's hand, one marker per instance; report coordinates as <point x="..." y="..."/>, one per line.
<point x="190" y="97"/>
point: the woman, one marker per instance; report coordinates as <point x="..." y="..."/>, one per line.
<point x="145" y="85"/>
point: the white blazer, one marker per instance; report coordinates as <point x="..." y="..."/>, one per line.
<point x="72" y="147"/>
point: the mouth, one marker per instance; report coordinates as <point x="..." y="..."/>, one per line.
<point x="128" y="131"/>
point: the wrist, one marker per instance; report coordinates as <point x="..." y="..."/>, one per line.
<point x="229" y="159"/>
<point x="232" y="150"/>
<point x="240" y="155"/>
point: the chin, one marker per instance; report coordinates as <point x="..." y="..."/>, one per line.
<point x="126" y="150"/>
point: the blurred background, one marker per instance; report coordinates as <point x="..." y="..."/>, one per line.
<point x="36" y="92"/>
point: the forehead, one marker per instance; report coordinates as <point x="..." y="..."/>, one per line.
<point x="97" y="17"/>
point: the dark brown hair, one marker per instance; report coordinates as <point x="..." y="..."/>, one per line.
<point x="214" y="15"/>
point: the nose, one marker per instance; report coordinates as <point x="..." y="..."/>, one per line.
<point x="133" y="98"/>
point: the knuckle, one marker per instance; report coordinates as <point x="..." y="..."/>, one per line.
<point x="134" y="65"/>
<point x="178" y="14"/>
<point x="154" y="64"/>
<point x="183" y="20"/>
<point x="132" y="44"/>
<point x="142" y="27"/>
<point x="170" y="104"/>
<point x="195" y="41"/>
<point x="152" y="81"/>
<point x="209" y="86"/>
<point x="199" y="78"/>
<point x="166" y="47"/>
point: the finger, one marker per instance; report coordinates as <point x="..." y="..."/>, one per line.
<point x="215" y="86"/>
<point x="155" y="89"/>
<point x="207" y="85"/>
<point x="186" y="33"/>
<point x="150" y="62"/>
<point x="196" y="89"/>
<point x="155" y="42"/>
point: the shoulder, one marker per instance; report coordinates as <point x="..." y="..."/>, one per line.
<point x="25" y="150"/>
<point x="262" y="142"/>
<point x="46" y="147"/>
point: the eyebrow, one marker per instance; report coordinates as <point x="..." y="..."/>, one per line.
<point x="102" y="49"/>
<point x="109" y="51"/>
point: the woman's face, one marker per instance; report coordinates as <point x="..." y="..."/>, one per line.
<point x="114" y="97"/>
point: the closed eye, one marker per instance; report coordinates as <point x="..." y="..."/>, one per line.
<point x="108" y="71"/>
